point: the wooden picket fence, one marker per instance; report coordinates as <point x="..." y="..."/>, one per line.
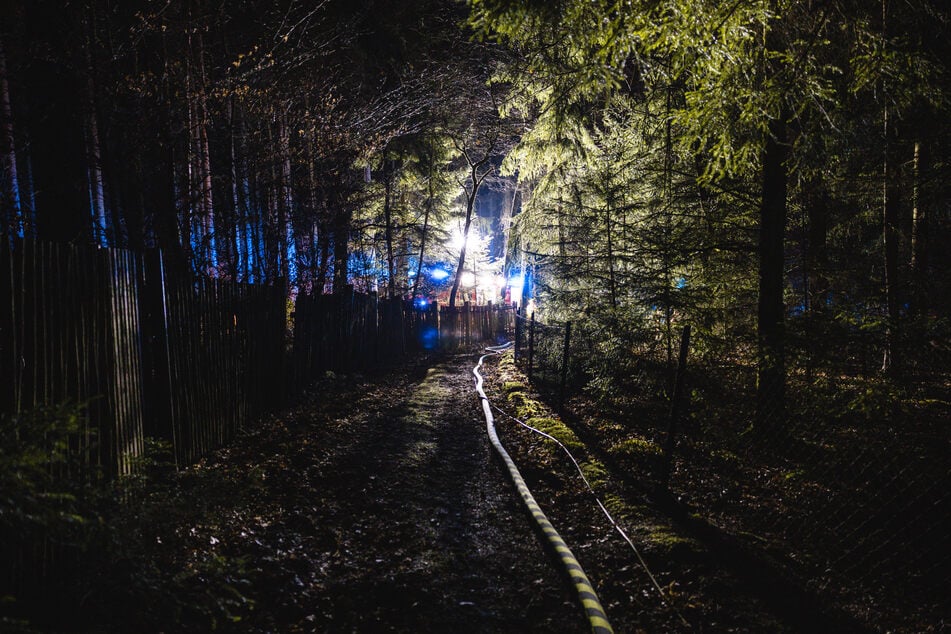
<point x="139" y="350"/>
<point x="471" y="325"/>
<point x="352" y="330"/>
<point x="334" y="332"/>
<point x="222" y="345"/>
<point x="150" y="351"/>
<point x="147" y="350"/>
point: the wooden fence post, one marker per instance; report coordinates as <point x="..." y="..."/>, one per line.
<point x="676" y="409"/>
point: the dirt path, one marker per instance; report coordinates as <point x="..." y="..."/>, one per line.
<point x="375" y="505"/>
<point x="434" y="538"/>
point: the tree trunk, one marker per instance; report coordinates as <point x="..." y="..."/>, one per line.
<point x="612" y="283"/>
<point x="97" y="198"/>
<point x="285" y="223"/>
<point x="12" y="212"/>
<point x="323" y="230"/>
<point x="771" y="373"/>
<point x="341" y="251"/>
<point x="167" y="227"/>
<point x="252" y="209"/>
<point x="461" y="262"/>
<point x="816" y="251"/>
<point x="204" y="151"/>
<point x="28" y="190"/>
<point x="273" y="233"/>
<point x="388" y="227"/>
<point x="562" y="246"/>
<point x="470" y="205"/>
<point x="256" y="207"/>
<point x="166" y="222"/>
<point x="239" y="217"/>
<point x="313" y="215"/>
<point x="323" y="263"/>
<point x="342" y="221"/>
<point x="190" y="190"/>
<point x="668" y="232"/>
<point x="528" y="280"/>
<point x="918" y="262"/>
<point x="889" y="223"/>
<point x="477" y="180"/>
<point x="135" y="208"/>
<point x="890" y="220"/>
<point x="424" y="235"/>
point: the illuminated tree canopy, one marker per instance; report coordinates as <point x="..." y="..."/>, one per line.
<point x="647" y="163"/>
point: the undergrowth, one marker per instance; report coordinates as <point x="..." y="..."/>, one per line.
<point x="632" y="451"/>
<point x="76" y="540"/>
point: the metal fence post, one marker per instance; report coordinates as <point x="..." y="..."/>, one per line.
<point x="518" y="331"/>
<point x="676" y="409"/>
<point x="531" y="346"/>
<point x="564" y="366"/>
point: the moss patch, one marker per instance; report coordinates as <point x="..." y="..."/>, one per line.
<point x="665" y="541"/>
<point x="557" y="430"/>
<point x="594" y="472"/>
<point x="638" y="454"/>
<point x="512" y="386"/>
<point x="636" y="447"/>
<point x="524" y="406"/>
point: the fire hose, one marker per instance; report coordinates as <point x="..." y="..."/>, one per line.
<point x="585" y="591"/>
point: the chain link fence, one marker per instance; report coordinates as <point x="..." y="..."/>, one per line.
<point x="840" y="481"/>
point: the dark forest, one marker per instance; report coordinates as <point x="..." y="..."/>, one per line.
<point x="250" y="253"/>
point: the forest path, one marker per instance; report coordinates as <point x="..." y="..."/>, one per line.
<point x="375" y="504"/>
<point x="430" y="536"/>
